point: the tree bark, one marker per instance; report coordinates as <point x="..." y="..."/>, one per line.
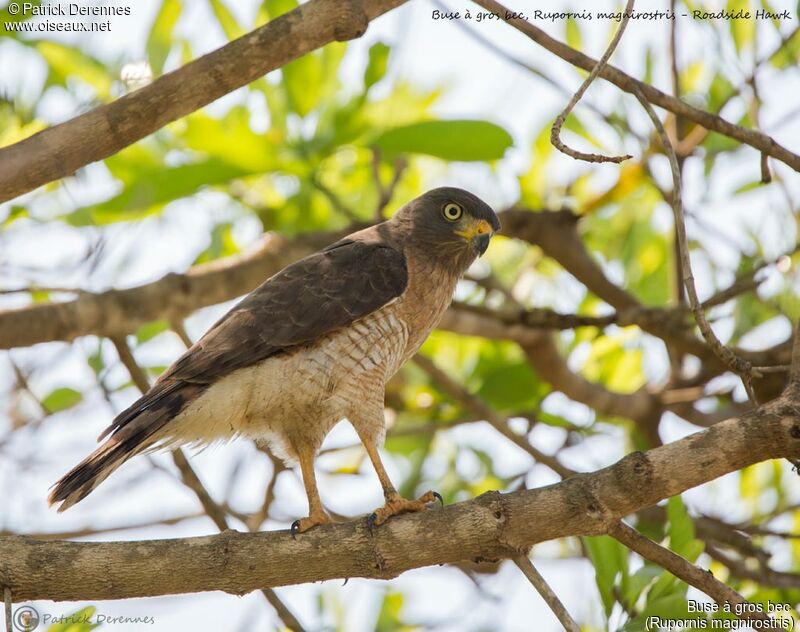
<point x="61" y="150"/>
<point x="493" y="526"/>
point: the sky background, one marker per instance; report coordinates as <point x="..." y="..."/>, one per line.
<point x="427" y="53"/>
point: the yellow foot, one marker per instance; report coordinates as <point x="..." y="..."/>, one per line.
<point x="304" y="524"/>
<point x="396" y="505"/>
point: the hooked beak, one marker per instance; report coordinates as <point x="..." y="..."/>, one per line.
<point x="481" y="243"/>
<point x="478" y="234"/>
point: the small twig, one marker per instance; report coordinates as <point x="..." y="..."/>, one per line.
<point x="180" y="330"/>
<point x="551" y="599"/>
<point x="555" y="132"/>
<point x="257" y="518"/>
<point x="765" y="576"/>
<point x="7" y="600"/>
<point x="736" y="364"/>
<point x="335" y="201"/>
<point x="48" y="290"/>
<point x="794" y="372"/>
<point x="780" y="368"/>
<point x="482" y="410"/>
<point x="136" y="372"/>
<point x="704" y="581"/>
<point x="192" y="481"/>
<point x="385" y="194"/>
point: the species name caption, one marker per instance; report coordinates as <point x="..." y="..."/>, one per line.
<point x="617" y="16"/>
<point x="780" y="617"/>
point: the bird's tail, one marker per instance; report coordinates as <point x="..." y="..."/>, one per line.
<point x="132" y="432"/>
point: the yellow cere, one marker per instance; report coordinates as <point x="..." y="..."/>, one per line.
<point x="479" y="227"/>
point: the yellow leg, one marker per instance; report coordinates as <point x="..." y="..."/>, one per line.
<point x="395" y="503"/>
<point x="316" y="513"/>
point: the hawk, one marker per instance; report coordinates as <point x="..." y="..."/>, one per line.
<point x="312" y="345"/>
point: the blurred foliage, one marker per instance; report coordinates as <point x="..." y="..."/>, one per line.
<point x="298" y="150"/>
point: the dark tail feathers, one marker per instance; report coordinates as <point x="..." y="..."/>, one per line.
<point x="133" y="431"/>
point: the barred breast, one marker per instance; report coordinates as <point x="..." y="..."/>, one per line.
<point x="292" y="400"/>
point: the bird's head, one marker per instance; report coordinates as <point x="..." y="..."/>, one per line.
<point x="450" y="225"/>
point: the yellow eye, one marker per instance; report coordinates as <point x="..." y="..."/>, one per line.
<point x="452" y="211"/>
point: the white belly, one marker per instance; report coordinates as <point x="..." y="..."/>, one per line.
<point x="292" y="400"/>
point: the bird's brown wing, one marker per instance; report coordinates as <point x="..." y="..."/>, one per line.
<point x="306" y="300"/>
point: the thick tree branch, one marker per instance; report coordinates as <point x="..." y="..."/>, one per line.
<point x="492" y="526"/>
<point x="754" y="138"/>
<point x="61" y="150"/>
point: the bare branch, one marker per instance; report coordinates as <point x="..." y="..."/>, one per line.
<point x="385" y="193"/>
<point x="735" y="363"/>
<point x="551" y="599"/>
<point x="764" y="576"/>
<point x="555" y="132"/>
<point x="794" y="374"/>
<point x="61" y="150"/>
<point x="751" y="137"/>
<point x="482" y="410"/>
<point x="704" y="581"/>
<point x="8" y="605"/>
<point x="488" y="527"/>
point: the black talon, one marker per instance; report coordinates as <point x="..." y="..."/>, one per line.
<point x="371" y="521"/>
<point x="295" y="526"/>
<point x="438" y="497"/>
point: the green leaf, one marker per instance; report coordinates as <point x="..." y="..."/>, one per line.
<point x="377" y="64"/>
<point x="610" y="560"/>
<point x="150" y="330"/>
<point x="788" y="54"/>
<point x="222" y="244"/>
<point x="232" y="140"/>
<point x="64" y="62"/>
<point x="742" y="31"/>
<point x="572" y="33"/>
<point x="302" y="80"/>
<point x="61" y="399"/>
<point x="159" y="43"/>
<point x="462" y="140"/>
<point x="648" y="65"/>
<point x="681" y="526"/>
<point x="19" y="16"/>
<point x="276" y="8"/>
<point x="389" y="616"/>
<point x="76" y="622"/>
<point x="15" y="213"/>
<point x="719" y="92"/>
<point x="226" y="20"/>
<point x="152" y="190"/>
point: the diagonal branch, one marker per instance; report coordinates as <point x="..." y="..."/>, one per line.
<point x="61" y="150"/>
<point x="492" y="526"/>
<point x="704" y="581"/>
<point x="551" y="599"/>
<point x="754" y="138"/>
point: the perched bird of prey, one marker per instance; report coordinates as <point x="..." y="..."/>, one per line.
<point x="312" y="345"/>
